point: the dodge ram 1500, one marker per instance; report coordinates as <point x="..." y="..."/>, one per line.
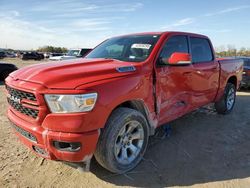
<point x="109" y="103"/>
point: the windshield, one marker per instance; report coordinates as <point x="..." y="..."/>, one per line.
<point x="134" y="48"/>
<point x="73" y="52"/>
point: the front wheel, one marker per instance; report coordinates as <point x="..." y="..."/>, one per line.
<point x="226" y="104"/>
<point x="123" y="141"/>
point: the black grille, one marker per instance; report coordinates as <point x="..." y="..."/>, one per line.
<point x="27" y="111"/>
<point x="21" y="94"/>
<point x="13" y="93"/>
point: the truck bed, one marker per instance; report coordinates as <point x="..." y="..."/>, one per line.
<point x="228" y="68"/>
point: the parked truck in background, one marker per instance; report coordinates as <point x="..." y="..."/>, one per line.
<point x="245" y="83"/>
<point x="109" y="103"/>
<point x="71" y="54"/>
<point x="32" y="56"/>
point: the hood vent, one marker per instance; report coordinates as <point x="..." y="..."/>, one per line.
<point x="126" y="69"/>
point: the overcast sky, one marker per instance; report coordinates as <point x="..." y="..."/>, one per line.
<point x="79" y="23"/>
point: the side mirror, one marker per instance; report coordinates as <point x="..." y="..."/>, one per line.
<point x="178" y="58"/>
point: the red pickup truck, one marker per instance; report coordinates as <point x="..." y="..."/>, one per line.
<point x="109" y="103"/>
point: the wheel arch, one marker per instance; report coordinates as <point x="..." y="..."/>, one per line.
<point x="232" y="80"/>
<point x="140" y="106"/>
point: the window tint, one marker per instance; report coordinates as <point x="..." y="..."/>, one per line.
<point x="174" y="44"/>
<point x="201" y="50"/>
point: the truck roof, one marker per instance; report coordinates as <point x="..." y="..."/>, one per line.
<point x="166" y="33"/>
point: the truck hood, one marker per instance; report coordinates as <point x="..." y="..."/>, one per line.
<point x="73" y="73"/>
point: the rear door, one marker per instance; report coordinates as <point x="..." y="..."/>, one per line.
<point x="205" y="75"/>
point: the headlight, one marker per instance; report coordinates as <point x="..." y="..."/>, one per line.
<point x="244" y="73"/>
<point x="71" y="103"/>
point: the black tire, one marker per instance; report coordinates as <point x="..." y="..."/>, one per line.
<point x="221" y="106"/>
<point x="106" y="146"/>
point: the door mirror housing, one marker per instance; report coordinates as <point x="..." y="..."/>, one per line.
<point x="178" y="58"/>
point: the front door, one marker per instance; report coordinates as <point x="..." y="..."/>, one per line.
<point x="173" y="89"/>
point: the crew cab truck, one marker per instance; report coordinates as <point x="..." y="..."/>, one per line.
<point x="109" y="103"/>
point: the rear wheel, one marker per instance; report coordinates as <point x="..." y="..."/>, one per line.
<point x="123" y="142"/>
<point x="226" y="104"/>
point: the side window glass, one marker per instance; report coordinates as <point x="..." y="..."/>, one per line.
<point x="201" y="50"/>
<point x="174" y="44"/>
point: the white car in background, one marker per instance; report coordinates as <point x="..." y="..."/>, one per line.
<point x="72" y="54"/>
<point x="47" y="55"/>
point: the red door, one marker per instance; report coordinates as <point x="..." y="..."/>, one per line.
<point x="205" y="75"/>
<point x="173" y="87"/>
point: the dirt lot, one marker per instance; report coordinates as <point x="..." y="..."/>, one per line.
<point x="204" y="150"/>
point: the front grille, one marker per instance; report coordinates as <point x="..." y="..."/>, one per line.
<point x="16" y="96"/>
<point x="20" y="108"/>
<point x="21" y="94"/>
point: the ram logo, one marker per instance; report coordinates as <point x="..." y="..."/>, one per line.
<point x="14" y="99"/>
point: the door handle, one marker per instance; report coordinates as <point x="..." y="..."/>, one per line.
<point x="214" y="68"/>
<point x="187" y="73"/>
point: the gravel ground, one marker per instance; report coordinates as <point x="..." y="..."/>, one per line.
<point x="203" y="150"/>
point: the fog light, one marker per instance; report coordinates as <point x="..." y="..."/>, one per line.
<point x="67" y="146"/>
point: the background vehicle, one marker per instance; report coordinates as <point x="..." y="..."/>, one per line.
<point x="109" y="103"/>
<point x="56" y="54"/>
<point x="47" y="55"/>
<point x="10" y="54"/>
<point x="19" y="54"/>
<point x="6" y="69"/>
<point x="7" y="54"/>
<point x="2" y="55"/>
<point x="246" y="74"/>
<point x="32" y="55"/>
<point x="72" y="54"/>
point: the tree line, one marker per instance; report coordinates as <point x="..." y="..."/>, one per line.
<point x="52" y="49"/>
<point x="231" y="51"/>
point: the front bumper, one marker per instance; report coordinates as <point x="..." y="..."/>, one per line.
<point x="43" y="145"/>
